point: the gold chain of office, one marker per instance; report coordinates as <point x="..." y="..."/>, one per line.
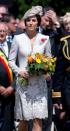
<point x="65" y="49"/>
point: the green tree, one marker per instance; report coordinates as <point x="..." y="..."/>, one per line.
<point x="23" y="5"/>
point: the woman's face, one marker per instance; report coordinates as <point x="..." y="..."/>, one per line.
<point x="31" y="23"/>
<point x="67" y="26"/>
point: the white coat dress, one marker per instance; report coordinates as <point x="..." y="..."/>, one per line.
<point x="31" y="102"/>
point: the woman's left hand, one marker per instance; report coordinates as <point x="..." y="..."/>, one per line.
<point x="24" y="74"/>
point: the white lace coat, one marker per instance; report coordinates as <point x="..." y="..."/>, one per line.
<point x="31" y="101"/>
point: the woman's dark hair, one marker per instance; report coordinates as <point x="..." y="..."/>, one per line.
<point x="38" y="19"/>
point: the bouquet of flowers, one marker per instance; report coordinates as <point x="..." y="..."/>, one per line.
<point x="39" y="64"/>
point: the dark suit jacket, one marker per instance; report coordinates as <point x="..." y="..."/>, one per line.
<point x="61" y="81"/>
<point x="6" y="103"/>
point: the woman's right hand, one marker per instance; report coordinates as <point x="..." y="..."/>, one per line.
<point x="24" y="74"/>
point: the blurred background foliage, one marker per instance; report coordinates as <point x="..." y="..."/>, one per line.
<point x="18" y="7"/>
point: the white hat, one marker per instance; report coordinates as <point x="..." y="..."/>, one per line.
<point x="33" y="11"/>
<point x="39" y="9"/>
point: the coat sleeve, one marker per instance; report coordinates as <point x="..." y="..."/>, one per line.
<point x="48" y="47"/>
<point x="13" y="56"/>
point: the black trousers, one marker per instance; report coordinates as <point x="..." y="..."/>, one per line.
<point x="7" y="113"/>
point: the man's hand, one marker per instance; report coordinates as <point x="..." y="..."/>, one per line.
<point x="2" y="89"/>
<point x="53" y="17"/>
<point x="62" y="115"/>
<point x="7" y="91"/>
<point x="58" y="106"/>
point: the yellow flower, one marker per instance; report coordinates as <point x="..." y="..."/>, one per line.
<point x="53" y="60"/>
<point x="38" y="60"/>
<point x="45" y="60"/>
<point x="50" y="64"/>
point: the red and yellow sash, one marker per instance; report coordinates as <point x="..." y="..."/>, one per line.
<point x="4" y="61"/>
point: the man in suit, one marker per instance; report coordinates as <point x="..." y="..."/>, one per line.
<point x="61" y="86"/>
<point x="6" y="88"/>
<point x="50" y="26"/>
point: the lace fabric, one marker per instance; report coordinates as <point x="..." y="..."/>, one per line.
<point x="31" y="101"/>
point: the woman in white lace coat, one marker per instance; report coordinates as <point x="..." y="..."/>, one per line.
<point x="31" y="101"/>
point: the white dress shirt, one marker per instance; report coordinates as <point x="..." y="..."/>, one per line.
<point x="4" y="47"/>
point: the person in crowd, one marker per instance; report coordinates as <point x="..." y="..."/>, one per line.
<point x="11" y="28"/>
<point x="3" y="12"/>
<point x="31" y="102"/>
<point x="6" y="80"/>
<point x="21" y="25"/>
<point x="61" y="86"/>
<point x="49" y="25"/>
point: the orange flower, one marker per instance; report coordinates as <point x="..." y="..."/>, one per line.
<point x="30" y="59"/>
<point x="46" y="67"/>
<point x="38" y="56"/>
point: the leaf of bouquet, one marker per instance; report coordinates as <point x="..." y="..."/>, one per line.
<point x="39" y="66"/>
<point x="31" y="68"/>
